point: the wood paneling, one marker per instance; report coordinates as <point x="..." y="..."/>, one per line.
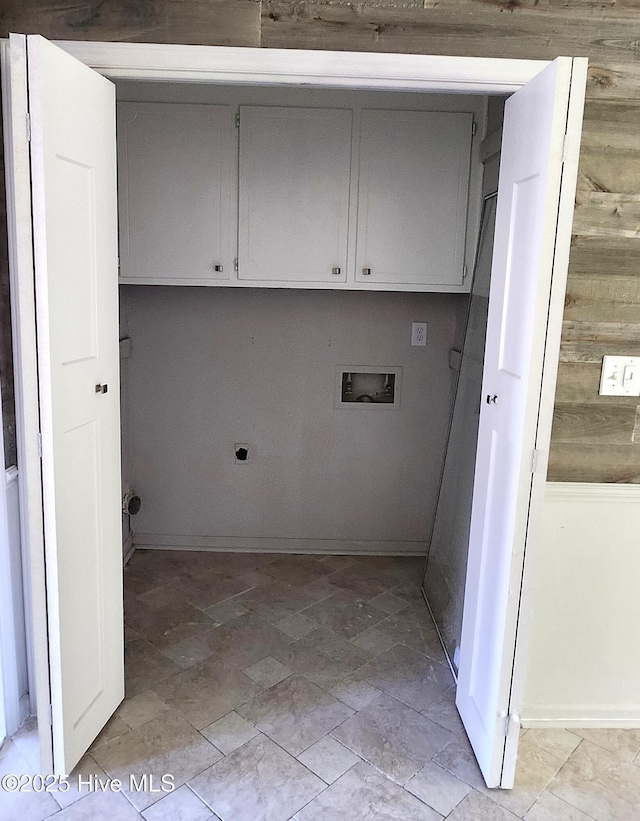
<point x="610" y="155"/>
<point x="196" y="22"/>
<point x="605" y="256"/>
<point x="605" y="214"/>
<point x="611" y="125"/>
<point x="578" y="384"/>
<point x="608" y="169"/>
<point x="590" y="341"/>
<point x="613" y="80"/>
<point x="591" y="424"/>
<point x="596" y="438"/>
<point x="603" y="297"/>
<point x="499" y="29"/>
<point x="595" y="463"/>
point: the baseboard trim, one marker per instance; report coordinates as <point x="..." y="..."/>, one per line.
<point x="235" y="544"/>
<point x="128" y="549"/>
<point x="614" y="722"/>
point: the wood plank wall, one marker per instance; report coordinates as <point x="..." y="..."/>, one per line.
<point x="595" y="439"/>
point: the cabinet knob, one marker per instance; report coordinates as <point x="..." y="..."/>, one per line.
<point x="336" y="271"/>
<point x="102" y="388"/>
<point x="366" y="272"/>
<point x="492" y="400"/>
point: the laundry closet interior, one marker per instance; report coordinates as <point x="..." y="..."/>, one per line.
<point x="277" y="246"/>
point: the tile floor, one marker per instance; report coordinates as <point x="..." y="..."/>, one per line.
<point x="306" y="688"/>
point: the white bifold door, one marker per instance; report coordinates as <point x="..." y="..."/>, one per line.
<point x="75" y="263"/>
<point x="62" y="213"/>
<point x="541" y="135"/>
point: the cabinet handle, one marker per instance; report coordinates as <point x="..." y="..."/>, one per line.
<point x="102" y="388"/>
<point x="366" y="272"/>
<point x="336" y="271"/>
<point x="218" y="268"/>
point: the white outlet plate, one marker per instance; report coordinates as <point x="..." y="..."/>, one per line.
<point x="620" y="376"/>
<point x="418" y="334"/>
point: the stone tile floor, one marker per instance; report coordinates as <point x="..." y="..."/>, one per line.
<point x="306" y="688"/>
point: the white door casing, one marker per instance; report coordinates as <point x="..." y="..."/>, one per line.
<point x="73" y="168"/>
<point x="510" y="448"/>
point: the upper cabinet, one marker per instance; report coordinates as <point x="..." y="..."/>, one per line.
<point x="176" y="176"/>
<point x="294" y="174"/>
<point x="412" y="197"/>
<point x="316" y="196"/>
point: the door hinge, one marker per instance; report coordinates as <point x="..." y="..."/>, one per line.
<point x="534" y="460"/>
<point x="39" y="444"/>
<point x="237" y="119"/>
<point x="464" y="272"/>
<point x="564" y="148"/>
<point x="235" y="265"/>
<point x="49" y="716"/>
<point x="474" y="128"/>
<point x="510" y="719"/>
<point x="28" y="118"/>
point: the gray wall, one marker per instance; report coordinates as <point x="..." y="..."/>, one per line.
<point x="213" y="367"/>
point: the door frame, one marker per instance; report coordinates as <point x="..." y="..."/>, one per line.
<point x="254" y="66"/>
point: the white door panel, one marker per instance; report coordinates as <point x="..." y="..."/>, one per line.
<point x="73" y="169"/>
<point x="523" y="259"/>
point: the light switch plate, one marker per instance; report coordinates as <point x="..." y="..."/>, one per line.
<point x="620" y="376"/>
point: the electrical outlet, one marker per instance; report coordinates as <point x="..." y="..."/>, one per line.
<point x="419" y="334"/>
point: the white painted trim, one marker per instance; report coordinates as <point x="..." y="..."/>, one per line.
<point x="19" y="226"/>
<point x="341" y="69"/>
<point x="223" y="544"/>
<point x="13" y="512"/>
<point x="14" y="706"/>
<point x="9" y="696"/>
<point x="315" y="286"/>
<point x="591" y="492"/>
<point x="566" y="719"/>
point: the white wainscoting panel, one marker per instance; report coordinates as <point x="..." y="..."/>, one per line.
<point x="584" y="664"/>
<point x="13" y="661"/>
